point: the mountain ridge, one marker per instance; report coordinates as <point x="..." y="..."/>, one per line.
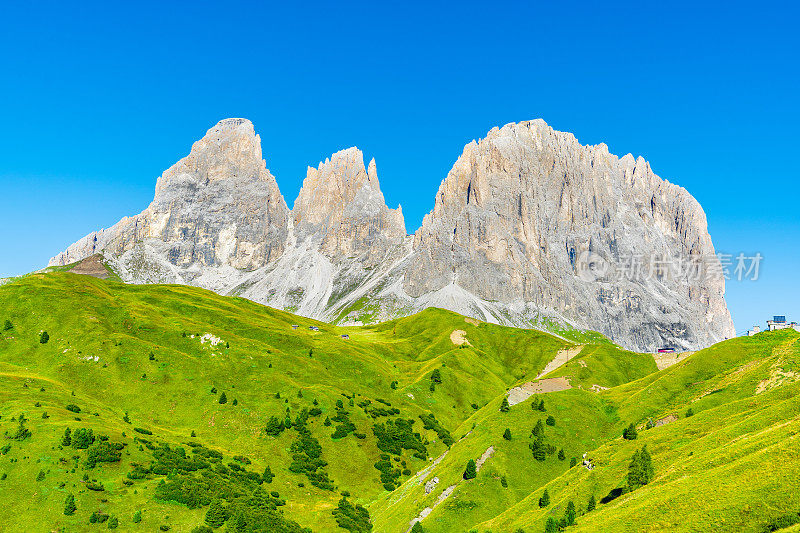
<point x="503" y="243"/>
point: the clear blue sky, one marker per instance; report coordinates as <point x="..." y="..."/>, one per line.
<point x="98" y="99"/>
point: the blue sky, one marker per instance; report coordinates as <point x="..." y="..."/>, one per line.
<point x="98" y="99"/>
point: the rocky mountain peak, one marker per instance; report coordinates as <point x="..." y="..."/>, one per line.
<point x="521" y="205"/>
<point x="503" y="243"/>
<point x="341" y="204"/>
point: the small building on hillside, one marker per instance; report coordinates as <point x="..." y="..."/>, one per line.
<point x="346" y="337"/>
<point x="666" y="349"/>
<point x="779" y="322"/>
<point x="313" y="328"/>
<point x="295" y="326"/>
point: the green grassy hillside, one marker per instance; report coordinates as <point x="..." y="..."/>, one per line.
<point x="329" y="433"/>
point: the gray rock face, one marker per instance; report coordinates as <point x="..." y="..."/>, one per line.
<point x="341" y="205"/>
<point x="529" y="228"/>
<point x="218" y="206"/>
<point x="521" y="208"/>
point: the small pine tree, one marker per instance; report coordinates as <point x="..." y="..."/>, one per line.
<point x="417" y="528"/>
<point x="66" y="440"/>
<point x="503" y="481"/>
<point x="470" y="472"/>
<point x="40" y="476"/>
<point x="268" y="475"/>
<point x="126" y="418"/>
<point x="436" y="377"/>
<point x="504" y="407"/>
<point x="235" y="401"/>
<point x="507" y="434"/>
<point x="550" y="421"/>
<point x="561" y="455"/>
<point x="551" y="526"/>
<point x="213" y="390"/>
<point x="44" y="337"/>
<point x="592" y="504"/>
<point x="152" y="356"/>
<point x="223" y="398"/>
<point x="194" y="434"/>
<point x="541" y="406"/>
<point x="573" y="462"/>
<point x="137" y="517"/>
<point x="544" y="501"/>
<point x="113" y="522"/>
<point x="69" y="505"/>
<point x="569" y="514"/>
<point x="630" y="432"/>
<point x="8" y="325"/>
<point x="689" y="412"/>
<point x="640" y="469"/>
<point x="538" y="429"/>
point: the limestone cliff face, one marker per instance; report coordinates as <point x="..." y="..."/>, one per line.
<point x="518" y="229"/>
<point x="521" y="208"/>
<point x="341" y="205"/>
<point x="218" y="206"/>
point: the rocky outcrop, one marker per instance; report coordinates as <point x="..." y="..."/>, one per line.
<point x="529" y="228"/>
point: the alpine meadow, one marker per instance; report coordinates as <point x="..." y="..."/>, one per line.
<point x="146" y="407"/>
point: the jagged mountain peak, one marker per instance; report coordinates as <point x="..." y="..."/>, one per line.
<point x="510" y="220"/>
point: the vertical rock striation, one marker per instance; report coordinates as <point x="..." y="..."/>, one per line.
<point x="521" y="208"/>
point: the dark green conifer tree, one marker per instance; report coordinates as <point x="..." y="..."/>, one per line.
<point x="470" y="471"/>
<point x="69" y="505"/>
<point x="544" y="500"/>
<point x="504" y="407"/>
<point x="592" y="504"/>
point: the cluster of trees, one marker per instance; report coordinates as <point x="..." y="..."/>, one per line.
<point x="390" y="474"/>
<point x="398" y="435"/>
<point x="307" y="455"/>
<point x="430" y="422"/>
<point x="344" y="426"/>
<point x="22" y="432"/>
<point x="630" y="433"/>
<point x="353" y="518"/>
<point x="81" y="439"/>
<point x="539" y="447"/>
<point x="553" y="526"/>
<point x="275" y="426"/>
<point x="538" y="405"/>
<point x="233" y="494"/>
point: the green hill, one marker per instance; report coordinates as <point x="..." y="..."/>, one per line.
<point x="214" y="411"/>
